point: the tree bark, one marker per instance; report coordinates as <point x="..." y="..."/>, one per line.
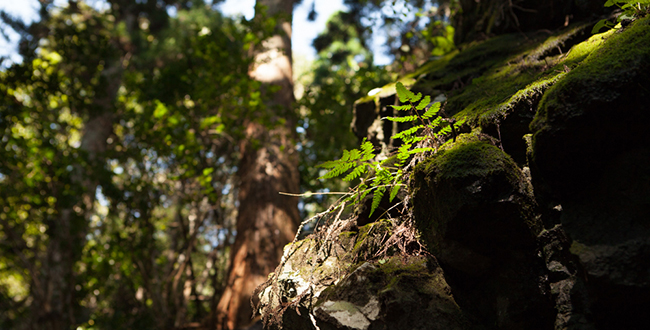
<point x="266" y="220"/>
<point x="56" y="302"/>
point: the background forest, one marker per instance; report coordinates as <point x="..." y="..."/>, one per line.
<point x="127" y="135"/>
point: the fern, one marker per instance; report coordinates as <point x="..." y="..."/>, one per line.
<point x="631" y="9"/>
<point x="388" y="174"/>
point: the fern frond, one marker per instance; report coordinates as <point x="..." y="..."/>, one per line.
<point x="363" y="168"/>
<point x="420" y="150"/>
<point x="405" y="107"/>
<point x="433" y="110"/>
<point x="435" y="123"/>
<point x="330" y="164"/>
<point x="393" y="191"/>
<point x="404" y="119"/>
<point x="337" y="171"/>
<point x="376" y="199"/>
<point x="413" y="139"/>
<point x="367" y="150"/>
<point x="406" y="95"/>
<point x="408" y="132"/>
<point x="423" y="104"/>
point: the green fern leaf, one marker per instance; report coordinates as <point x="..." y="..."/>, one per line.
<point x="330" y="164"/>
<point x="356" y="173"/>
<point x="404" y="119"/>
<point x="435" y="123"/>
<point x="423" y="104"/>
<point x="376" y="199"/>
<point x="433" y="110"/>
<point x="405" y="107"/>
<point x="337" y="171"/>
<point x="393" y="192"/>
<point x="403" y="94"/>
<point x="407" y="133"/>
<point x="367" y="149"/>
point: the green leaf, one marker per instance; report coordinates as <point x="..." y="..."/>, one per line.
<point x="419" y="150"/>
<point x="405" y="107"/>
<point x="423" y="104"/>
<point x="393" y="192"/>
<point x="404" y="119"/>
<point x="600" y="25"/>
<point x="367" y="149"/>
<point x="407" y="133"/>
<point x="433" y="110"/>
<point x="403" y="94"/>
<point x="356" y="173"/>
<point x="376" y="199"/>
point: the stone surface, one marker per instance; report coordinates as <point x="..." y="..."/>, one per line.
<point x="536" y="217"/>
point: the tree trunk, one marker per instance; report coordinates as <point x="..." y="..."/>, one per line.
<point x="266" y="220"/>
<point x="56" y="302"/>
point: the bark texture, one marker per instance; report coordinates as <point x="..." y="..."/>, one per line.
<point x="266" y="220"/>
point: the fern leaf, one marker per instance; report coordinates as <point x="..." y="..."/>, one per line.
<point x="405" y="107"/>
<point x="404" y="119"/>
<point x="402" y="152"/>
<point x="403" y="94"/>
<point x="435" y="123"/>
<point x="376" y="199"/>
<point x="356" y="173"/>
<point x="393" y="192"/>
<point x="346" y="155"/>
<point x="407" y="132"/>
<point x="355" y="154"/>
<point x="433" y="110"/>
<point x="330" y="164"/>
<point x="337" y="171"/>
<point x="419" y="150"/>
<point x="423" y="104"/>
<point x="367" y="149"/>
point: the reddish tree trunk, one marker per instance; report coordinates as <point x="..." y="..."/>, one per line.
<point x="267" y="220"/>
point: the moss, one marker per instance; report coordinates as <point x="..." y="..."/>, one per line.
<point x="522" y="78"/>
<point x="442" y="184"/>
<point x="609" y="58"/>
<point x="369" y="239"/>
<point x="470" y="159"/>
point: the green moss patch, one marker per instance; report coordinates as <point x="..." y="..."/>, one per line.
<point x="609" y="60"/>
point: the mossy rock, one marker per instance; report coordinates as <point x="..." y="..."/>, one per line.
<point x="392" y="293"/>
<point x="474" y="193"/>
<point x="597" y="110"/>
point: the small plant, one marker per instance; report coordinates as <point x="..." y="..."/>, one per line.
<point x="631" y="9"/>
<point x="388" y="174"/>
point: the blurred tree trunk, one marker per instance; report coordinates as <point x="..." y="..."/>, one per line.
<point x="266" y="220"/>
<point x="55" y="304"/>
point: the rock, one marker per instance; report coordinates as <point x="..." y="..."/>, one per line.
<point x="327" y="287"/>
<point x="591" y="154"/>
<point x="474" y="210"/>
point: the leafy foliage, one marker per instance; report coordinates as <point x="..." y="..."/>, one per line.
<point x="631" y="9"/>
<point x="389" y="174"/>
